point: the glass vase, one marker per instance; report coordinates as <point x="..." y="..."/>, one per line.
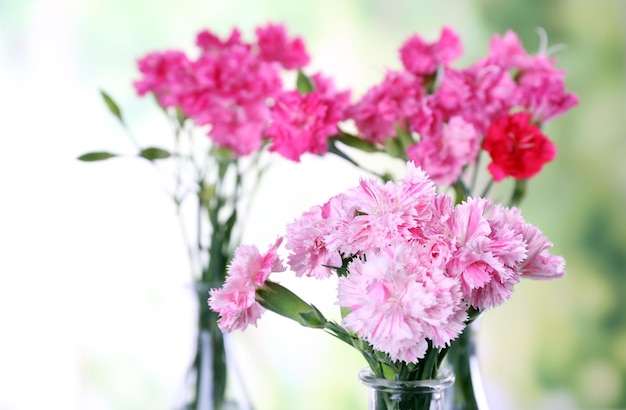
<point x="462" y="357"/>
<point x="429" y="394"/>
<point x="213" y="381"/>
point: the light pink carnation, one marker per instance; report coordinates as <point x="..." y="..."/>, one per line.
<point x="487" y="259"/>
<point x="310" y="255"/>
<point x="383" y="214"/>
<point x="538" y="263"/>
<point x="248" y="271"/>
<point x="397" y="303"/>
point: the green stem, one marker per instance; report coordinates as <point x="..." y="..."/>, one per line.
<point x="461" y="192"/>
<point x="519" y="191"/>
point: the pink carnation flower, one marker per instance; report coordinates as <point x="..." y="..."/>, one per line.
<point x="303" y="123"/>
<point x="538" y="263"/>
<point x="387" y="105"/>
<point x="297" y="125"/>
<point x="167" y="75"/>
<point x="228" y="87"/>
<point x="543" y="93"/>
<point x="397" y="303"/>
<point x="235" y="300"/>
<point x="486" y="260"/>
<point x="275" y="46"/>
<point x="422" y="58"/>
<point x="306" y="239"/>
<point x="541" y="87"/>
<point x="507" y="51"/>
<point x="492" y="94"/>
<point x="210" y="43"/>
<point x="444" y="155"/>
<point x="383" y="214"/>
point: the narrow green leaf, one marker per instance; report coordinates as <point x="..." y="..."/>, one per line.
<point x="304" y="83"/>
<point x="358" y="143"/>
<point x="96" y="156"/>
<point x="154" y="153"/>
<point x="112" y="105"/>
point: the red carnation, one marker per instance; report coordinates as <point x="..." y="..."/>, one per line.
<point x="517" y="147"/>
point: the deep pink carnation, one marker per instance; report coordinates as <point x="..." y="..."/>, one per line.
<point x="167" y="75"/>
<point x="387" y="105"/>
<point x="301" y="123"/>
<point x="541" y="86"/>
<point x="275" y="46"/>
<point x="444" y="155"/>
<point x="422" y="58"/>
<point x="491" y="94"/>
<point x="211" y="43"/>
<point x="543" y="93"/>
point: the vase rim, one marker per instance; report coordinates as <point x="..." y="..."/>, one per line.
<point x="445" y="378"/>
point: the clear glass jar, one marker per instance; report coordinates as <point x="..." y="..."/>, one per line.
<point x="430" y="394"/>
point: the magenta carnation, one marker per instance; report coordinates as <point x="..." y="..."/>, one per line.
<point x="422" y="58"/>
<point x="275" y="46"/>
<point x="303" y="123"/>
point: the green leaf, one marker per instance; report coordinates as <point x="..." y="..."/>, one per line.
<point x="358" y="143"/>
<point x="96" y="156"/>
<point x="112" y="105"/>
<point x="304" y="83"/>
<point x="154" y="153"/>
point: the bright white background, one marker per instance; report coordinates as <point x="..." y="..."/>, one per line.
<point x="94" y="307"/>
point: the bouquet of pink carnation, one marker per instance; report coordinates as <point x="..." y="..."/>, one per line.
<point x="412" y="267"/>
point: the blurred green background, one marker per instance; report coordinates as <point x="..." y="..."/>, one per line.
<point x="94" y="313"/>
